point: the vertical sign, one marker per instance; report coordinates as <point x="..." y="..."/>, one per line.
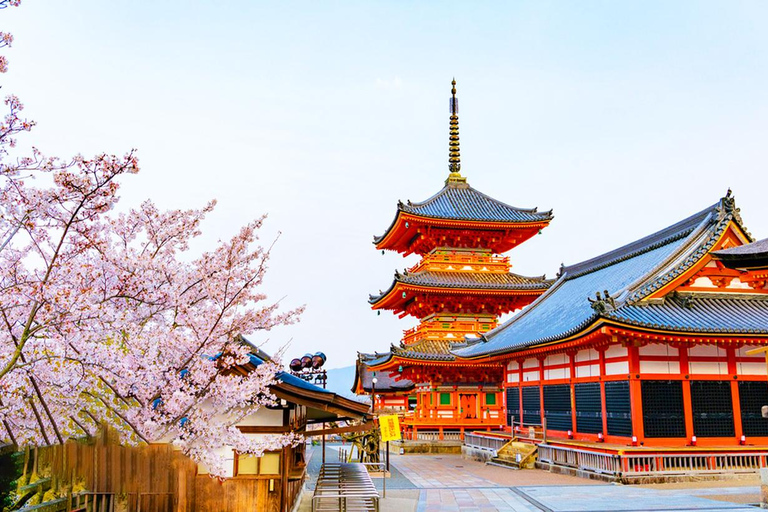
<point x="390" y="427"/>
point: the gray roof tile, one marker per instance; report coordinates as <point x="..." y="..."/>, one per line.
<point x="475" y="280"/>
<point x="629" y="274"/>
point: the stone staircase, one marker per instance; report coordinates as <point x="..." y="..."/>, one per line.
<point x="515" y="455"/>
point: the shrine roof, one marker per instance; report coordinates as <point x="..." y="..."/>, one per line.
<point x="385" y="380"/>
<point x="628" y="274"/>
<point x="731" y="313"/>
<point x="427" y="346"/>
<point x="426" y="350"/>
<point x="459" y="201"/>
<point x="466" y="280"/>
<point x="743" y="256"/>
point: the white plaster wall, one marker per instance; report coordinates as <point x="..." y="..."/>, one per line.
<point x="557" y="373"/>
<point x="617" y="368"/>
<point x="751" y="368"/>
<point x="616" y="351"/>
<point x="588" y="354"/>
<point x="530" y="375"/>
<point x="663" y="367"/>
<point x="590" y="370"/>
<point x="264" y="417"/>
<point x="658" y="349"/>
<point x="555" y="359"/>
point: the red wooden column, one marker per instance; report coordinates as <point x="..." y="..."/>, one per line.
<point x="541" y="389"/>
<point x="733" y="371"/>
<point x="635" y="393"/>
<point x="572" y="371"/>
<point x="687" y="405"/>
<point x="604" y="408"/>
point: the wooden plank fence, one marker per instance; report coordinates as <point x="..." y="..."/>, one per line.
<point x="154" y="478"/>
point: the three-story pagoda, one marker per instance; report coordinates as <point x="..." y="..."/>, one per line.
<point x="458" y="289"/>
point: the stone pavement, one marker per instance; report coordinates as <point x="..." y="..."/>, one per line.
<point x="427" y="483"/>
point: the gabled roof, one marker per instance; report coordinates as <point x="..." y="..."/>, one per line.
<point x="466" y="281"/>
<point x="754" y="255"/>
<point x="459" y="201"/>
<point x="628" y="274"/>
<point x="385" y="380"/>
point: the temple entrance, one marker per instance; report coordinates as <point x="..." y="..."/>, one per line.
<point x="468" y="404"/>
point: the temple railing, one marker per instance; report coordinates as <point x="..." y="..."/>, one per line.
<point x="634" y="465"/>
<point x="479" y="441"/>
<point x="693" y="463"/>
<point x="433" y="435"/>
<point x="584" y="460"/>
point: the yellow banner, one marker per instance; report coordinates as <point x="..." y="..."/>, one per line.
<point x="390" y="428"/>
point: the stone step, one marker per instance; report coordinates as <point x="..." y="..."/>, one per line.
<point x="502" y="464"/>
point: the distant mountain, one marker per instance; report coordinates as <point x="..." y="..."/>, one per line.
<point x="340" y="381"/>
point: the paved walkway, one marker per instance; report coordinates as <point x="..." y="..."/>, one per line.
<point x="427" y="483"/>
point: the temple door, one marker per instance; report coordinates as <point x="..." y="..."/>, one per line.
<point x="468" y="404"/>
<point x="472" y="406"/>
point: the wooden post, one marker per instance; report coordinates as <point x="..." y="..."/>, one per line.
<point x="181" y="490"/>
<point x="323" y="442"/>
<point x="733" y="371"/>
<point x="635" y="393"/>
<point x="284" y="480"/>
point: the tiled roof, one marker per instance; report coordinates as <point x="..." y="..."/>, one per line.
<point x="428" y="346"/>
<point x="726" y="313"/>
<point x="749" y="250"/>
<point x="459" y="201"/>
<point x="385" y="381"/>
<point x="472" y="280"/>
<point x="426" y="350"/>
<point x="462" y="202"/>
<point x="628" y="275"/>
<point x="749" y="256"/>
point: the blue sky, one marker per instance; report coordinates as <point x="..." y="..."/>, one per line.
<point x="622" y="116"/>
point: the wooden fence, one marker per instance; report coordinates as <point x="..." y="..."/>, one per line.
<point x="154" y="478"/>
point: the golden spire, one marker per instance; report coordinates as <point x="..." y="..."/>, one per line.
<point x="454" y="155"/>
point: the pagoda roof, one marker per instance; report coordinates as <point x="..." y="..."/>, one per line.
<point x="386" y="381"/>
<point x="458" y="203"/>
<point x="629" y="275"/>
<point x="754" y="255"/>
<point x="496" y="281"/>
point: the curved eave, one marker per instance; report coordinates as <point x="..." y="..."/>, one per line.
<point x="392" y="238"/>
<point x="589" y="328"/>
<point x="393" y="297"/>
<point x="396" y="361"/>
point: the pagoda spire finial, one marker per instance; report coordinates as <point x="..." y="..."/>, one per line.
<point x="454" y="155"/>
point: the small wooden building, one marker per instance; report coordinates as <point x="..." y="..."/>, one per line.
<point x="159" y="478"/>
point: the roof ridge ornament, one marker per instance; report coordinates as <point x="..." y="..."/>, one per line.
<point x="602" y="304"/>
<point x="454" y="153"/>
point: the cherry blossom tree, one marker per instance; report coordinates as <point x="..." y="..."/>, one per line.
<point x="108" y="318"/>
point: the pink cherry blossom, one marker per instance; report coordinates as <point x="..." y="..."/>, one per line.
<point x="109" y="318"/>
